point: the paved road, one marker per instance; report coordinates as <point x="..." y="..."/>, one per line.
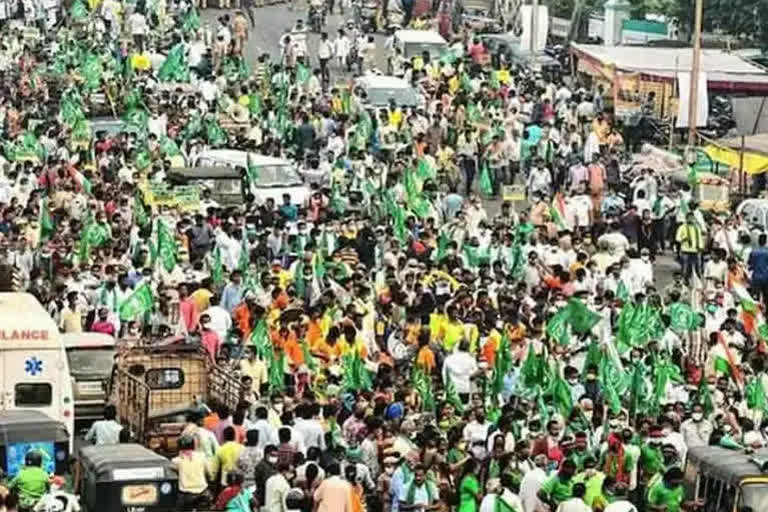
<point x="273" y="21"/>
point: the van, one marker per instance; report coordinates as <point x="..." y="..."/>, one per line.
<point x="35" y="369"/>
<point x="726" y="480"/>
<point x="413" y="43"/>
<point x="276" y="176"/>
<point x="91" y="357"/>
<point x="379" y="90"/>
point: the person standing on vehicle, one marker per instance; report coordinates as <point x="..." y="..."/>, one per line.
<point x="106" y="431"/>
<point x="324" y="54"/>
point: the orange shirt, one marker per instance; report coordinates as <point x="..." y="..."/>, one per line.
<point x="426" y="359"/>
<point x="314" y="333"/>
<point x="241" y="316"/>
<point x="211" y="421"/>
<point x="293" y="351"/>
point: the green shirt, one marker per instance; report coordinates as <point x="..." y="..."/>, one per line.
<point x="468" y="491"/>
<point x="32" y="483"/>
<point x="660" y="495"/>
<point x="557" y="490"/>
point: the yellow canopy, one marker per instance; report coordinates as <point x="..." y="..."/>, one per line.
<point x="754" y="163"/>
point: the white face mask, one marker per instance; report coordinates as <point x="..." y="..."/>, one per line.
<point x="389" y="470"/>
<point x="272" y="460"/>
<point x="697" y="416"/>
<point x="588" y="415"/>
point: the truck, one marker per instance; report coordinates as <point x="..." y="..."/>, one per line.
<point x="154" y="387"/>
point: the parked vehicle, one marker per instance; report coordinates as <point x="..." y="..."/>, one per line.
<point x="23" y="431"/>
<point x="726" y="480"/>
<point x="36" y="372"/>
<point x="276" y="176"/>
<point x="754" y="212"/>
<point x="126" y="477"/>
<point x="154" y="387"/>
<point x="91" y="356"/>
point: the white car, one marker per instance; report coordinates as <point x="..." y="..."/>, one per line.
<point x="276" y="176"/>
<point x="380" y="89"/>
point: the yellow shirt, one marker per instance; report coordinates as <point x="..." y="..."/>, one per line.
<point x="202" y="298"/>
<point x="395" y="117"/>
<point x="71" y="321"/>
<point x="226" y="458"/>
<point x="192" y="469"/>
<point x="256" y="370"/>
<point x="451" y="334"/>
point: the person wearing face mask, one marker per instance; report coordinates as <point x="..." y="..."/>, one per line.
<point x="276" y="487"/>
<point x="559" y="487"/>
<point x="475" y="433"/>
<point x="264" y="470"/>
<point x="668" y="493"/>
<point x="697" y="429"/>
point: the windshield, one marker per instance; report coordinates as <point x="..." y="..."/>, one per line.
<point x="91" y="360"/>
<point x="277" y="176"/>
<point x="434" y="49"/>
<point x="405" y="96"/>
<point x="754" y="497"/>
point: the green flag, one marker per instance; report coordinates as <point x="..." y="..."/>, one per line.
<point x="452" y="394"/>
<point x="486" y="184"/>
<point x="422" y="383"/>
<point x="581" y="318"/>
<point x="682" y="317"/>
<point x="93" y="235"/>
<point x="46" y="223"/>
<point x="276" y="373"/>
<point x="561" y="395"/>
<point x="166" y="246"/>
<point x="302" y="73"/>
<point x="260" y="341"/>
<point x="356" y="375"/>
<point x="755" y="395"/>
<point x="704" y="396"/>
<point x="217" y="269"/>
<point x="137" y="303"/>
<point x="558" y="326"/>
<point x="139" y="212"/>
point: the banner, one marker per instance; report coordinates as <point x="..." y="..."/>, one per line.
<point x="702" y="108"/>
<point x="185" y="197"/>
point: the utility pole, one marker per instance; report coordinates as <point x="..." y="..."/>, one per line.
<point x="693" y="98"/>
<point x="534" y="26"/>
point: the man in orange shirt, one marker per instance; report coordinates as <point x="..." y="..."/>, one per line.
<point x="425" y="359"/>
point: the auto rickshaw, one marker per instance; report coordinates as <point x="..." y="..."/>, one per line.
<point x="125" y="477"/>
<point x="710" y="190"/>
<point x="22" y="431"/>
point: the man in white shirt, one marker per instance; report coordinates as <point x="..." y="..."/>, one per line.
<point x="531" y="483"/>
<point x="460" y="366"/>
<point x="276" y="488"/>
<point x="307" y="426"/>
<point x="576" y="503"/>
<point x="221" y="320"/>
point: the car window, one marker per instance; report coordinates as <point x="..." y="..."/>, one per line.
<point x="405" y="96"/>
<point x="277" y="176"/>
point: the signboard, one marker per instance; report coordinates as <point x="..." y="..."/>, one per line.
<point x="513" y="192"/>
<point x="185" y="197"/>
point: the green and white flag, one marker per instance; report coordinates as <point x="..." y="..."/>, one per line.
<point x="166" y="246"/>
<point x="137" y="303"/>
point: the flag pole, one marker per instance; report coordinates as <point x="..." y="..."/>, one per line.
<point x="694" y="92"/>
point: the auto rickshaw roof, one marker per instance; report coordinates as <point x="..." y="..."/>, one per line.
<point x="729" y="465"/>
<point x="223" y="172"/>
<point x="102" y="459"/>
<point x="19" y="426"/>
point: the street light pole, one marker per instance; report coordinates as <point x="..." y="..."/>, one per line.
<point x="693" y="98"/>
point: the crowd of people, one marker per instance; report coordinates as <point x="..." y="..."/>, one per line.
<point x="406" y="339"/>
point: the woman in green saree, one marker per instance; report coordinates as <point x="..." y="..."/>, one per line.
<point x="469" y="488"/>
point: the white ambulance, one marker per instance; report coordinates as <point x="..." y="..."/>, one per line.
<point x="34" y="370"/>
